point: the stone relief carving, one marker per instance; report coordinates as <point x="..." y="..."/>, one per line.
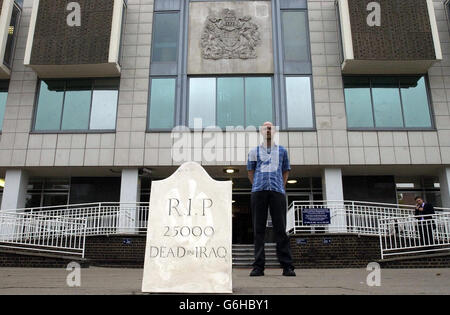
<point x="227" y="36"/>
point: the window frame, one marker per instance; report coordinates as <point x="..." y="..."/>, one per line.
<point x="72" y="131"/>
<point x="398" y="76"/>
<point x="216" y="77"/>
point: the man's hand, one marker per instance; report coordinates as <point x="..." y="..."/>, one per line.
<point x="285" y="178"/>
<point x="251" y="174"/>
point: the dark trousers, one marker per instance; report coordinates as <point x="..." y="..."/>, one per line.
<point x="261" y="201"/>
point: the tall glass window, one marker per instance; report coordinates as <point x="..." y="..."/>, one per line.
<point x="77" y="102"/>
<point x="387" y="102"/>
<point x="358" y="102"/>
<point x="258" y="101"/>
<point x="73" y="105"/>
<point x="299" y="102"/>
<point x="165" y="76"/>
<point x="296" y="78"/>
<point x="415" y="102"/>
<point x="230" y="101"/>
<point x="295" y="38"/>
<point x="3" y="97"/>
<point x="49" y="106"/>
<point x="104" y="104"/>
<point x="165" y="37"/>
<point x="202" y="101"/>
<point x="162" y="103"/>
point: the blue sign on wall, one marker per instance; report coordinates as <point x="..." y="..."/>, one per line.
<point x="316" y="216"/>
<point x="301" y="241"/>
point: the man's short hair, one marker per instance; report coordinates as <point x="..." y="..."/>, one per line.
<point x="418" y="197"/>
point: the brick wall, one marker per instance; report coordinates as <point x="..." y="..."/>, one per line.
<point x="334" y="251"/>
<point x="116" y="251"/>
<point x="309" y="251"/>
<point x="343" y="251"/>
<point x="9" y="258"/>
<point x="430" y="261"/>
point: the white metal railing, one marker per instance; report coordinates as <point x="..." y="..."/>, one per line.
<point x="104" y="218"/>
<point x="62" y="235"/>
<point x="403" y="236"/>
<point x="63" y="228"/>
<point x="346" y="216"/>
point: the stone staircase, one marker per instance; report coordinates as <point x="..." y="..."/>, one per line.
<point x="243" y="256"/>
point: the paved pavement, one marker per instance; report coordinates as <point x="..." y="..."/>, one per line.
<point x="111" y="281"/>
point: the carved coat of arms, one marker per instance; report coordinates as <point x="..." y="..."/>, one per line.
<point x="229" y="37"/>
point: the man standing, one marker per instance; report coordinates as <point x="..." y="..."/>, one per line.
<point x="424" y="212"/>
<point x="268" y="170"/>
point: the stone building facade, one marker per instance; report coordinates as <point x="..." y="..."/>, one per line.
<point x="362" y="118"/>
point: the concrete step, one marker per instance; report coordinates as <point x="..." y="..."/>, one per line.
<point x="243" y="255"/>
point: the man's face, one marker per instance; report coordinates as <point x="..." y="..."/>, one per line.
<point x="419" y="201"/>
<point x="267" y="130"/>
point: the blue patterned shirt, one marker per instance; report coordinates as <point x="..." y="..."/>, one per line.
<point x="269" y="165"/>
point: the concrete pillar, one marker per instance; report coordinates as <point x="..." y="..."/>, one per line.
<point x="129" y="197"/>
<point x="444" y="179"/>
<point x="333" y="192"/>
<point x="15" y="190"/>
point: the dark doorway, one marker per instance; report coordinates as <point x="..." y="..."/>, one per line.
<point x="242" y="219"/>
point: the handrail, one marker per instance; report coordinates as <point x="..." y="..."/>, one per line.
<point x="387" y="205"/>
<point x="71" y="206"/>
<point x="26" y="231"/>
<point x="412" y="235"/>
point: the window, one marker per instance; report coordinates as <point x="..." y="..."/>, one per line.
<point x="299" y="102"/>
<point x="162" y="103"/>
<point x="165" y="37"/>
<point x="3" y="96"/>
<point x="295" y="39"/>
<point x="236" y="100"/>
<point x="165" y="78"/>
<point x="47" y="192"/>
<point x="296" y="69"/>
<point x="408" y="188"/>
<point x="230" y="101"/>
<point x="72" y="105"/>
<point x="12" y="36"/>
<point x="387" y="102"/>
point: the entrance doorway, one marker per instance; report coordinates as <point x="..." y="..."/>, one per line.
<point x="242" y="216"/>
<point x="242" y="219"/>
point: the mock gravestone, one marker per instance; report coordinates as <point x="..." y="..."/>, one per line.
<point x="189" y="236"/>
